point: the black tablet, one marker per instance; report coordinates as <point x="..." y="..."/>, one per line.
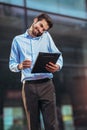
<point x="42" y="60"/>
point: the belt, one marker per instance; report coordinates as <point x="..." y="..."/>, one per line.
<point x="37" y="81"/>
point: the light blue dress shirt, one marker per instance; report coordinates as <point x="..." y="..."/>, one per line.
<point x="26" y="47"/>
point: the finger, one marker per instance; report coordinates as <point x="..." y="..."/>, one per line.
<point x="51" y="66"/>
<point x="27" y="64"/>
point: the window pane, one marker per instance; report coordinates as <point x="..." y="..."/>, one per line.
<point x="14" y="2"/>
<point x="65" y="7"/>
<point x="11" y="24"/>
<point x="13" y="118"/>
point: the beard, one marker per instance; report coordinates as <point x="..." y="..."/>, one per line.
<point x="35" y="31"/>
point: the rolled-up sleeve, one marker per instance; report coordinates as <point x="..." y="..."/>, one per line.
<point x="14" y="57"/>
<point x="60" y="61"/>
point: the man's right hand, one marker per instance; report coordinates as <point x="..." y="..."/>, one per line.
<point x="25" y="64"/>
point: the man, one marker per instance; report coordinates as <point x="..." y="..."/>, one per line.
<point x="38" y="91"/>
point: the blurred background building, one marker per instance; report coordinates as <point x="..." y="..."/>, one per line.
<point x="70" y="35"/>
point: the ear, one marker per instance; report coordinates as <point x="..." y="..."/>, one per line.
<point x="35" y="20"/>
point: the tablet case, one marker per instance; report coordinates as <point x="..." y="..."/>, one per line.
<point x="42" y="60"/>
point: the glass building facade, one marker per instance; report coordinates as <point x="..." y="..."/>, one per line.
<point x="70" y="35"/>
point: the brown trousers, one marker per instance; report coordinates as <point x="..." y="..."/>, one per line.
<point x="40" y="97"/>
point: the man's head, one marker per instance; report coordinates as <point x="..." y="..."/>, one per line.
<point x="40" y="24"/>
<point x="47" y="19"/>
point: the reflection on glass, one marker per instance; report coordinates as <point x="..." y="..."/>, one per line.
<point x="13" y="118"/>
<point x="14" y="2"/>
<point x="67" y="117"/>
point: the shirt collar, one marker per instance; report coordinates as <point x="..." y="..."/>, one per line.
<point x="26" y="34"/>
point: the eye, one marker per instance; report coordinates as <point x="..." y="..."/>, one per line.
<point x="41" y="25"/>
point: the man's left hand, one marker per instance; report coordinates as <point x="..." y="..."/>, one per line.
<point x="52" y="67"/>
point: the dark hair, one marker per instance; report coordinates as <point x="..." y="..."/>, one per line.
<point x="47" y="18"/>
